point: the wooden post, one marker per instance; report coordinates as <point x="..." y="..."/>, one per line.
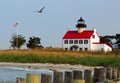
<point x="33" y="78"/>
<point x="77" y="74"/>
<point x="114" y="73"/>
<point x="96" y="75"/>
<point x="118" y="73"/>
<point x="87" y="76"/>
<point x="109" y="73"/>
<point x="58" y="77"/>
<point x="78" y="81"/>
<point x="102" y="74"/>
<point x="20" y="80"/>
<point x="46" y="78"/>
<point x="99" y="75"/>
<point x="68" y="77"/>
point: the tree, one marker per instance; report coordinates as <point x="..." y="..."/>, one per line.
<point x="107" y="39"/>
<point x="34" y="42"/>
<point x="118" y="38"/>
<point x="17" y="41"/>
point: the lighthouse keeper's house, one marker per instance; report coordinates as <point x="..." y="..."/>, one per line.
<point x="82" y="39"/>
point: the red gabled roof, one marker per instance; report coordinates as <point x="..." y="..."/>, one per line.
<point x="75" y="35"/>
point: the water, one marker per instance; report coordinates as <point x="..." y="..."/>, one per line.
<point x="11" y="73"/>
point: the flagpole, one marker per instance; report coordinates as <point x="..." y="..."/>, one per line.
<point x="16" y="26"/>
<point x="17" y="38"/>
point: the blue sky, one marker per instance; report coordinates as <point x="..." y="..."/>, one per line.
<point x="57" y="17"/>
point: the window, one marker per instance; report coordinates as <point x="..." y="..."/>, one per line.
<point x="80" y="49"/>
<point x="118" y="45"/>
<point x="80" y="41"/>
<point x="70" y="41"/>
<point x="86" y="48"/>
<point x="75" y="41"/>
<point x="93" y="36"/>
<point x="66" y="48"/>
<point x="85" y="41"/>
<point x="102" y="49"/>
<point x="65" y="41"/>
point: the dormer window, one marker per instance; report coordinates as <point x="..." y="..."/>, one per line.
<point x="93" y="36"/>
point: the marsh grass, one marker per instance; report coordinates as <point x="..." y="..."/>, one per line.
<point x="53" y="55"/>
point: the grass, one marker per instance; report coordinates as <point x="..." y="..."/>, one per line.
<point x="53" y="55"/>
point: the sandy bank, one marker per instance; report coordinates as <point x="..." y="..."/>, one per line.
<point x="45" y="65"/>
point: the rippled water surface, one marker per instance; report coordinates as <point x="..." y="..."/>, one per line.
<point x="11" y="73"/>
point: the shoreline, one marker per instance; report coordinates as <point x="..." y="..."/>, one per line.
<point x="45" y="65"/>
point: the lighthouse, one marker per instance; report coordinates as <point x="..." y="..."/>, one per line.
<point x="81" y="25"/>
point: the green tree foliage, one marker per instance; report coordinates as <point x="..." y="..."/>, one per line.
<point x="34" y="42"/>
<point x="118" y="38"/>
<point x="17" y="41"/>
<point x="106" y="39"/>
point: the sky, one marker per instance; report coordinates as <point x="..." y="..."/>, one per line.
<point x="57" y="17"/>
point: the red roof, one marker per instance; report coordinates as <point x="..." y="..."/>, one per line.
<point x="75" y="35"/>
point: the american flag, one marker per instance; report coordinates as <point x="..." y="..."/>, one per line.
<point x="15" y="25"/>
